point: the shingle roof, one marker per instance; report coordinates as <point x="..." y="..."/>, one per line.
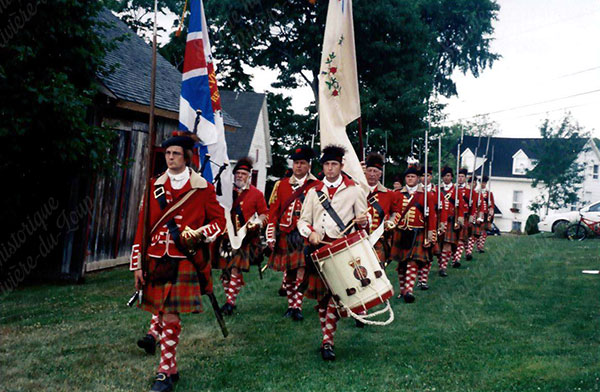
<point x="132" y="57"/>
<point x="504" y="149"/>
<point x="247" y="107"/>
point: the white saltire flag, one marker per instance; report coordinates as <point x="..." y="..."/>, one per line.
<point x="339" y="102"/>
<point x="199" y="91"/>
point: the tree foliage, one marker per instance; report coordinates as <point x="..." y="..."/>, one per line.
<point x="558" y="170"/>
<point x="138" y="14"/>
<point x="405" y="51"/>
<point x="48" y="137"/>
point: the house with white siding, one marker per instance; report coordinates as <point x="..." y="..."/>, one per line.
<point x="510" y="184"/>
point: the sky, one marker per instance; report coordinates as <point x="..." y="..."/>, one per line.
<point x="550" y="51"/>
<point x="550" y="65"/>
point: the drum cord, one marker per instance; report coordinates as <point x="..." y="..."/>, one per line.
<point x="366" y="318"/>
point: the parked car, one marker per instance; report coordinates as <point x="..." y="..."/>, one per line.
<point x="552" y="221"/>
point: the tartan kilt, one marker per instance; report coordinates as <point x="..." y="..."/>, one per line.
<point x="240" y="258"/>
<point x="451" y="235"/>
<point x="379" y="248"/>
<point x="481" y="228"/>
<point x="182" y="296"/>
<point x="465" y="232"/>
<point x="407" y="245"/>
<point x="286" y="256"/>
<point x="317" y="289"/>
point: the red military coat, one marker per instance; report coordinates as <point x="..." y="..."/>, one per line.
<point x="414" y="218"/>
<point x="287" y="219"/>
<point x="201" y="209"/>
<point x="449" y="204"/>
<point x="385" y="199"/>
<point x="250" y="201"/>
<point x="481" y="206"/>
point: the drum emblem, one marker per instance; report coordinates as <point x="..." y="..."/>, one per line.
<point x="360" y="272"/>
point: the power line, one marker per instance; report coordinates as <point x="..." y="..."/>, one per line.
<point x="528" y="105"/>
<point x="577" y="73"/>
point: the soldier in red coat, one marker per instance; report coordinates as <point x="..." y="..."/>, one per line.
<point x="451" y="220"/>
<point x="465" y="232"/>
<point x="484" y="207"/>
<point x="472" y="184"/>
<point x="435" y="249"/>
<point x="283" y="238"/>
<point x="171" y="276"/>
<point x="380" y="201"/>
<point x="414" y="233"/>
<point x="249" y="206"/>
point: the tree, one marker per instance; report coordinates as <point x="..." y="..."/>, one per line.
<point x="558" y="171"/>
<point x="138" y="14"/>
<point x="405" y="51"/>
<point x="48" y="69"/>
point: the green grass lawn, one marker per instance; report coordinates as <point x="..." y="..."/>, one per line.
<point x="520" y="317"/>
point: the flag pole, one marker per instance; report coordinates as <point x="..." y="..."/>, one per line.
<point x="361" y="146"/>
<point x="150" y="152"/>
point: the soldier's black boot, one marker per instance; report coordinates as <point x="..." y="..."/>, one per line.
<point x="162" y="383"/>
<point x="148" y="343"/>
<point x="327" y="352"/>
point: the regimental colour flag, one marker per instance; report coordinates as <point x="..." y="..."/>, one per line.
<point x="339" y="101"/>
<point x="199" y="91"/>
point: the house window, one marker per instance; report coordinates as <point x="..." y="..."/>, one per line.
<point x="519" y="167"/>
<point x="517" y="200"/>
<point x="516" y="226"/>
<point x="595" y="172"/>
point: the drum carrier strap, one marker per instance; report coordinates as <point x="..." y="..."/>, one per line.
<point x="375" y="204"/>
<point x="336" y="218"/>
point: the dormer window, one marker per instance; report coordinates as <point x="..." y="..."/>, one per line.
<point x="522" y="163"/>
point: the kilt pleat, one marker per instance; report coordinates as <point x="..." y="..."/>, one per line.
<point x="182" y="296"/>
<point x="408" y="245"/>
<point x="284" y="256"/>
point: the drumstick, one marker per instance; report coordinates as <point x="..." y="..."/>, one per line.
<point x="325" y="242"/>
<point x="349" y="226"/>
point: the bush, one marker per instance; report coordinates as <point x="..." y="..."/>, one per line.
<point x="531" y="225"/>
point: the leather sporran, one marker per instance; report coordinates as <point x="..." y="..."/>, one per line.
<point x="164" y="270"/>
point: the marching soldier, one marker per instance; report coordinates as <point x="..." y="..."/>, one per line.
<point x="249" y="206"/>
<point x="451" y="221"/>
<point x="484" y="213"/>
<point x="380" y="201"/>
<point x="424" y="269"/>
<point x="283" y="238"/>
<point x="414" y="234"/>
<point x="174" y="276"/>
<point x="465" y="230"/>
<point x="472" y="217"/>
<point x="336" y="203"/>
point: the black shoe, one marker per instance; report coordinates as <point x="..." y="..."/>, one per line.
<point x="297" y="315"/>
<point x="480" y="250"/>
<point x="409" y="298"/>
<point x="424" y="286"/>
<point x="469" y="257"/>
<point x="162" y="383"/>
<point x="282" y="292"/>
<point x="289" y="312"/>
<point x="327" y="352"/>
<point x="175" y="377"/>
<point x="418" y="286"/>
<point x="227" y="309"/>
<point x="456" y="264"/>
<point x="359" y="324"/>
<point x="148" y="343"/>
<point x="443" y="273"/>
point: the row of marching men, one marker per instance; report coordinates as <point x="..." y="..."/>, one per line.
<point x="188" y="237"/>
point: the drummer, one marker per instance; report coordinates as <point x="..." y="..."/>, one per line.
<point x="347" y="201"/>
